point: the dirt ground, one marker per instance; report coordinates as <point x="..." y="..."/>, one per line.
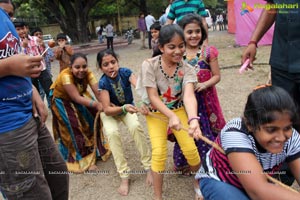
<point x="232" y="90"/>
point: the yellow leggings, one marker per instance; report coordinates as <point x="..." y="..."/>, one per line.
<point x="158" y="136"/>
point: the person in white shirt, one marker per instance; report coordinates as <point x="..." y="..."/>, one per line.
<point x="163" y="18"/>
<point x="149" y="19"/>
<point x="110" y="36"/>
<point x="220" y="21"/>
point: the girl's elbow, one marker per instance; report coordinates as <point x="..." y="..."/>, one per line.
<point x="77" y="101"/>
<point x="216" y="79"/>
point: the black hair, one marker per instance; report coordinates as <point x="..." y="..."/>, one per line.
<point x="19" y="23"/>
<point x="262" y="103"/>
<point x="61" y="36"/>
<point x="36" y="29"/>
<point x="13" y="5"/>
<point x="103" y="53"/>
<point x="166" y="33"/>
<point x="77" y="55"/>
<point x="156" y="26"/>
<point x="194" y="18"/>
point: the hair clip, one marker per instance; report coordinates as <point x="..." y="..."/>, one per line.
<point x="261" y="86"/>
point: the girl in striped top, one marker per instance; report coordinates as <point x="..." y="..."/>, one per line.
<point x="256" y="144"/>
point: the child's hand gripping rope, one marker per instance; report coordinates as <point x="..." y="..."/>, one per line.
<point x="198" y="135"/>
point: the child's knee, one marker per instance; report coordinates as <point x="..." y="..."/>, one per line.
<point x="111" y="133"/>
<point x="192" y="156"/>
<point x="135" y="127"/>
<point x="159" y="158"/>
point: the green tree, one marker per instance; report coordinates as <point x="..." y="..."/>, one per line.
<point x="71" y="15"/>
<point x="211" y="3"/>
<point x="28" y="13"/>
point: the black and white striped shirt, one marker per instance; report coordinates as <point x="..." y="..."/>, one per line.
<point x="235" y="137"/>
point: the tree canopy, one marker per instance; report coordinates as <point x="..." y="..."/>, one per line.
<point x="73" y="15"/>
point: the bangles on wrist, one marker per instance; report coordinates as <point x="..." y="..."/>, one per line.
<point x="253" y="42"/>
<point x="193" y="118"/>
<point x="91" y="103"/>
<point x="124" y="109"/>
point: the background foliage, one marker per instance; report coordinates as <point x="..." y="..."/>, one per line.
<point x="73" y="16"/>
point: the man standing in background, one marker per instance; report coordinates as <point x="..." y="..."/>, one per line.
<point x="142" y="29"/>
<point x="163" y="18"/>
<point x="110" y="36"/>
<point x="149" y="19"/>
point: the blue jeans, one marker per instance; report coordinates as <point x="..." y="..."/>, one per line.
<point x="217" y="190"/>
<point x="31" y="166"/>
<point x="100" y="39"/>
<point x="45" y="81"/>
<point x="42" y="94"/>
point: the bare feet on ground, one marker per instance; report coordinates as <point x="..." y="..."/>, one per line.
<point x="93" y="168"/>
<point x="124" y="187"/>
<point x="198" y="195"/>
<point x="149" y="178"/>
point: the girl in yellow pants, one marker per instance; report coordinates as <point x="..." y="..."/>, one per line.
<point x="169" y="84"/>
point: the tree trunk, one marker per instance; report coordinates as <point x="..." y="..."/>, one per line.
<point x="143" y="6"/>
<point x="72" y="16"/>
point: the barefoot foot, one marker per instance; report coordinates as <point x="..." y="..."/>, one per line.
<point x="93" y="168"/>
<point x="198" y="194"/>
<point x="124" y="187"/>
<point x="149" y="178"/>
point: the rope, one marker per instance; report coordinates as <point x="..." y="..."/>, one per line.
<point x="96" y="120"/>
<point x="216" y="146"/>
<point x="205" y="139"/>
<point x="98" y="132"/>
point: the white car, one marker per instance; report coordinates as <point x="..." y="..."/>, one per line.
<point x="47" y="37"/>
<point x="208" y="18"/>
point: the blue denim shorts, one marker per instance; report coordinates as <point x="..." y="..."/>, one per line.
<point x="217" y="190"/>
